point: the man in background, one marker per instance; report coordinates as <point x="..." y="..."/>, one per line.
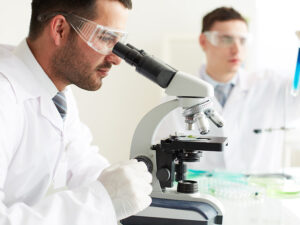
<point x="250" y="103"/>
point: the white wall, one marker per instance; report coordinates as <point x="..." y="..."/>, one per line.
<point x="277" y="44"/>
<point x="14" y="20"/>
<point x="113" y="112"/>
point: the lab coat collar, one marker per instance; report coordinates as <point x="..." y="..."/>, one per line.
<point x="213" y="82"/>
<point x="240" y="80"/>
<point x="29" y="81"/>
<point x="45" y="85"/>
<point x="15" y="72"/>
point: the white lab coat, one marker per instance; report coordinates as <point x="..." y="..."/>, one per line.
<point x="257" y="101"/>
<point x="37" y="149"/>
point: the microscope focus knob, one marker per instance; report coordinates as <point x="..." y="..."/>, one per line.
<point x="146" y="160"/>
<point x="163" y="174"/>
<point x="187" y="186"/>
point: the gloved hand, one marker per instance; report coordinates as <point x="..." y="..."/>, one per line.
<point x="128" y="184"/>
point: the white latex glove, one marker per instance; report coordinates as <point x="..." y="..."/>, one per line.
<point x="128" y="184"/>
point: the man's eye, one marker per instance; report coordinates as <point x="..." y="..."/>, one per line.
<point x="105" y="38"/>
<point x="227" y="39"/>
<point x="243" y="41"/>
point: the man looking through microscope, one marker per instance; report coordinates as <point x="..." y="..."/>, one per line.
<point x="42" y="140"/>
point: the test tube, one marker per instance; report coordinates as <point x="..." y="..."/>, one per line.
<point x="295" y="87"/>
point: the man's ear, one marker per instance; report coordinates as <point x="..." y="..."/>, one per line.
<point x="202" y="41"/>
<point x="59" y="29"/>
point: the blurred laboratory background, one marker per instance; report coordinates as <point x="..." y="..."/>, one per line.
<point x="169" y="29"/>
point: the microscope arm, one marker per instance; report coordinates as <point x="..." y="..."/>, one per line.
<point x="175" y="82"/>
<point x="186" y="85"/>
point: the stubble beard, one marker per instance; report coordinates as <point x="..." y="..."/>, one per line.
<point x="71" y="67"/>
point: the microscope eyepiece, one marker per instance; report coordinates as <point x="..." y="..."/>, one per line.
<point x="128" y="53"/>
<point x="147" y="65"/>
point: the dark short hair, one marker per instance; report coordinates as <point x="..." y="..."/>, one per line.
<point x="83" y="8"/>
<point x="220" y="15"/>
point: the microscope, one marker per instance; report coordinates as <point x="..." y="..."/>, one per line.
<point x="175" y="200"/>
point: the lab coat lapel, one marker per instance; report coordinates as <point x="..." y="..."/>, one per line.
<point x="49" y="111"/>
<point x="11" y="68"/>
<point x="238" y="93"/>
<point x="217" y="106"/>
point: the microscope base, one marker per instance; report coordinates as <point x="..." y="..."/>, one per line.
<point x="138" y="220"/>
<point x="175" y="212"/>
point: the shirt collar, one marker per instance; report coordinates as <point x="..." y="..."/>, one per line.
<point x="24" y="53"/>
<point x="213" y="82"/>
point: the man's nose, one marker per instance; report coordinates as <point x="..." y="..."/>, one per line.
<point x="113" y="59"/>
<point x="236" y="46"/>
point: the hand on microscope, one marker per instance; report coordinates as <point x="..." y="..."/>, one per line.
<point x="129" y="186"/>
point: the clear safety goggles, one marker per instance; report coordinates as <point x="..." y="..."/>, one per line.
<point x="219" y="39"/>
<point x="100" y="38"/>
